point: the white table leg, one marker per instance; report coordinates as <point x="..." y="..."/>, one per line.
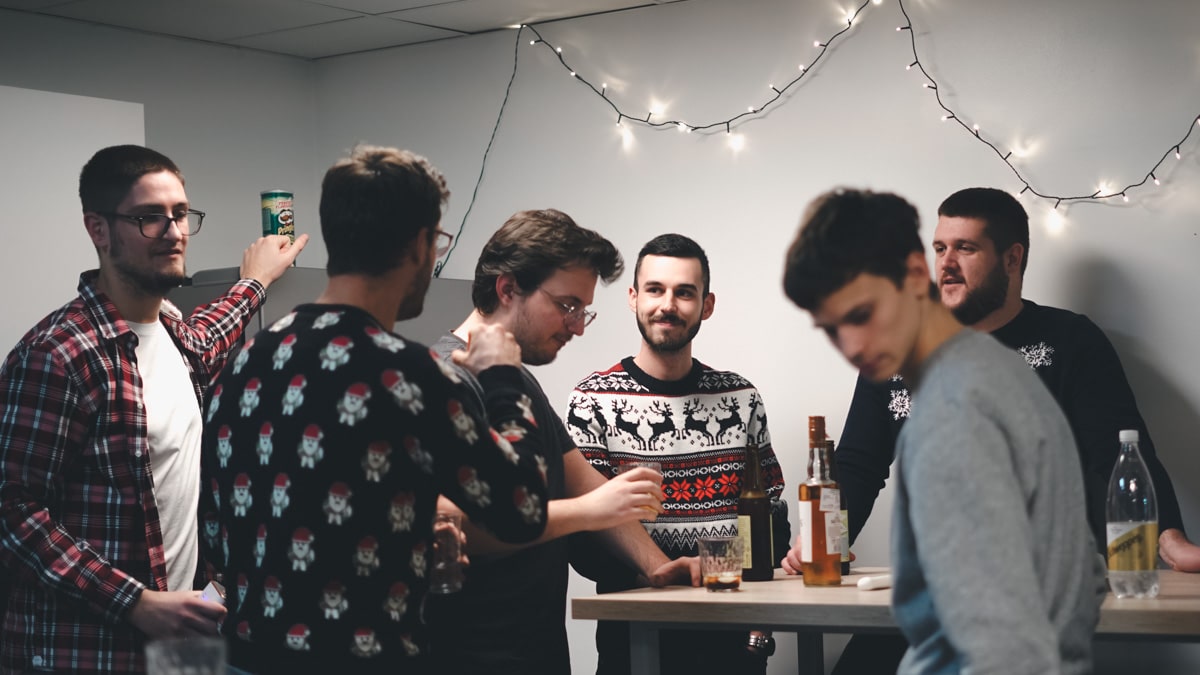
<point x="643" y="648"/>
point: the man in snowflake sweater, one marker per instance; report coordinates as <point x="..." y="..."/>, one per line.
<point x="664" y="406"/>
<point x="981" y="248"/>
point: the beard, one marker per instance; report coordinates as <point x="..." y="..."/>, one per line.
<point x="982" y="301"/>
<point x="535" y="351"/>
<point x="664" y="345"/>
<point x="146" y="281"/>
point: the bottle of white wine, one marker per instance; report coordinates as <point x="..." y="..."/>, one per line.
<point x="1132" y="520"/>
<point x="754" y="521"/>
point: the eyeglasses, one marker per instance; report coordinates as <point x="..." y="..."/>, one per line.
<point x="571" y="313"/>
<point x="155" y="225"/>
<point x="444" y="239"/>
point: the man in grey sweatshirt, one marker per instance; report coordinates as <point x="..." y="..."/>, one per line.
<point x="995" y="570"/>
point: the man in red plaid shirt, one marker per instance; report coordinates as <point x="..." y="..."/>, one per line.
<point x="100" y="432"/>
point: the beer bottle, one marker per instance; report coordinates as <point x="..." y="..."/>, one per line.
<point x="754" y="521"/>
<point x="820" y="514"/>
<point x="1132" y="524"/>
<point x="845" y="514"/>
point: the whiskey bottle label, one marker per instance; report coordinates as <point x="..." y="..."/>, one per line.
<point x="833" y="533"/>
<point x="831" y="499"/>
<point x="805" y="513"/>
<point x="743" y="527"/>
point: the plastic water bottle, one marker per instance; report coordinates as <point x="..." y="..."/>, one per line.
<point x="1132" y="518"/>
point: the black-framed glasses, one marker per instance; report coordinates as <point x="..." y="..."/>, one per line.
<point x="155" y="225"/>
<point x="571" y="313"/>
<point x="444" y="239"/>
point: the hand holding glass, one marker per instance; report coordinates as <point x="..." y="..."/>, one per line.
<point x="626" y="467"/>
<point x="446" y="575"/>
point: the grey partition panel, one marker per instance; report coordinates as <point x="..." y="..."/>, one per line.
<point x="447" y="303"/>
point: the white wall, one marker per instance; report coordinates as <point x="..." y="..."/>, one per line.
<point x="236" y="121"/>
<point x="1099" y="88"/>
<point x="69" y="128"/>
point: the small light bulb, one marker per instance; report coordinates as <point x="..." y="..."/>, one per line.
<point x="1156" y="181"/>
<point x="975" y="127"/>
<point x="572" y="73"/>
<point x="604" y="86"/>
<point x="750" y="109"/>
<point x="816" y="43"/>
<point x="1177" y="155"/>
<point x="681" y="126"/>
<point x="1125" y="196"/>
<point x="945" y="117"/>
<point x="877" y="2"/>
<point x="533" y="42"/>
<point x="558" y="49"/>
<point x="802" y="67"/>
<point x="926" y="85"/>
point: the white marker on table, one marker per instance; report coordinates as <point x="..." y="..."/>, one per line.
<point x="875" y="582"/>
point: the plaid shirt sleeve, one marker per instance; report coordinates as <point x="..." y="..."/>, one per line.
<point x="43" y="420"/>
<point x="212" y="330"/>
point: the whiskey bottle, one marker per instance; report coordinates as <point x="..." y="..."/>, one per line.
<point x="820" y="514"/>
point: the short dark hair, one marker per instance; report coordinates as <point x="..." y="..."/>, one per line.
<point x="108" y="176"/>
<point x="373" y="204"/>
<point x="531" y="245"/>
<point x="673" y="246"/>
<point x="845" y="233"/>
<point x="1004" y="219"/>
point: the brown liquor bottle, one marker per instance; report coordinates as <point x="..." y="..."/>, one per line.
<point x="754" y="521"/>
<point x="820" y="515"/>
<point x="845" y="514"/>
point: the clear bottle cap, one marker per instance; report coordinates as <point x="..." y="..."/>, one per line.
<point x="1128" y="435"/>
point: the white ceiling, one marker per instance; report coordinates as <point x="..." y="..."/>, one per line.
<point x="315" y="29"/>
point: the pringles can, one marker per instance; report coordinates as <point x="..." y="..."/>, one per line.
<point x="277" y="216"/>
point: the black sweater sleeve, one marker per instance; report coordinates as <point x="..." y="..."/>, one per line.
<point x="1098" y="402"/>
<point x="868" y="444"/>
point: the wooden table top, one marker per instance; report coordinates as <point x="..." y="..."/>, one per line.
<point x="785" y="603"/>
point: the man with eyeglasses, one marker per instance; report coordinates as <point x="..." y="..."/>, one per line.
<point x="535" y="277"/>
<point x="100" y="432"/>
<point x="663" y="405"/>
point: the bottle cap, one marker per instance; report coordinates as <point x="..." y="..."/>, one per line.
<point x="816" y="431"/>
<point x="1128" y="435"/>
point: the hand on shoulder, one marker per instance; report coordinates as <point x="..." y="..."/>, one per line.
<point x="488" y="346"/>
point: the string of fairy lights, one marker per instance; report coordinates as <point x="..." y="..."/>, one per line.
<point x="648" y="119"/>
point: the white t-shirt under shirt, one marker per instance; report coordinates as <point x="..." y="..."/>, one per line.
<point x="174" y="425"/>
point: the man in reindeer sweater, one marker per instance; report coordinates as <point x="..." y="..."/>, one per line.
<point x="664" y="406"/>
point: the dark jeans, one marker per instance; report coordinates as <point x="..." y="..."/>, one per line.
<point x="871" y="655"/>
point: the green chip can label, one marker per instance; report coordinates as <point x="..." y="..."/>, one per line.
<point x="277" y="216"/>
